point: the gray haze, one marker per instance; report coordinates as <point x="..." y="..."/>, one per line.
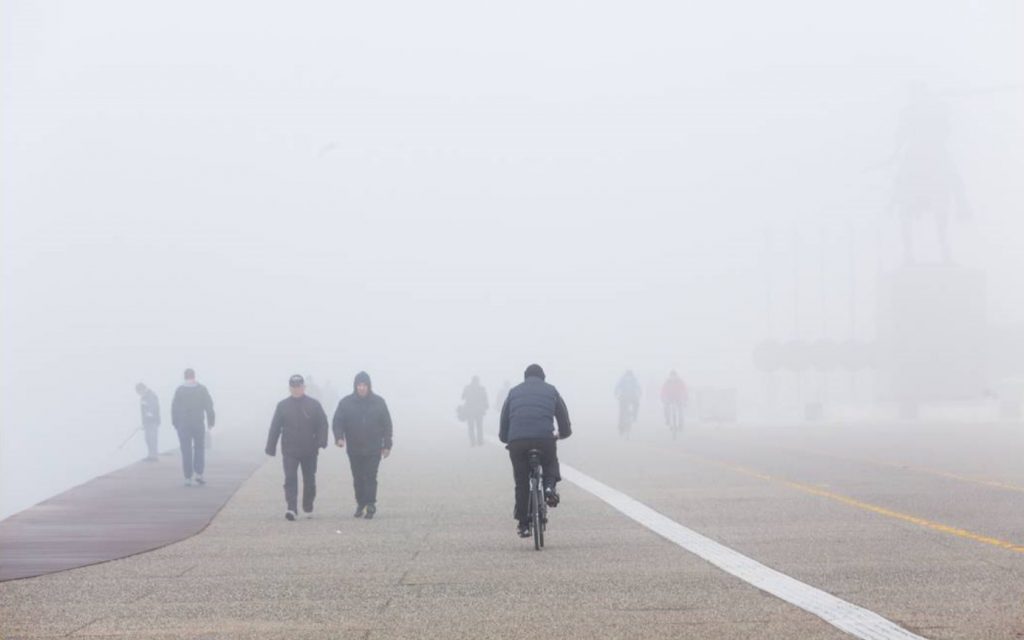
<point x="433" y="190"/>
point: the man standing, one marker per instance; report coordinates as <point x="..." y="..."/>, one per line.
<point x="301" y="425"/>
<point x="475" y="405"/>
<point x="192" y="402"/>
<point x="363" y="422"/>
<point x="528" y="422"/>
<point x="150" y="406"/>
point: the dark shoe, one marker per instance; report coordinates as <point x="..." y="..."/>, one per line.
<point x="523" y="529"/>
<point x="289" y="515"/>
<point x="551" y="497"/>
<point x="359" y="512"/>
<point x="370" y="511"/>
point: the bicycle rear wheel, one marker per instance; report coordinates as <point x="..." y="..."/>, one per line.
<point x="536" y="496"/>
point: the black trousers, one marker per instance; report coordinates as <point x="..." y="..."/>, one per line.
<point x="291" y="480"/>
<point x="475" y="424"/>
<point x="517" y="452"/>
<point x="364" y="476"/>
<point x="193" y="451"/>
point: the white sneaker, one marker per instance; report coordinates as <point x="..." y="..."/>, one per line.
<point x="309" y="515"/>
<point x="199" y="479"/>
<point x="188" y="482"/>
<point x="289" y="515"/>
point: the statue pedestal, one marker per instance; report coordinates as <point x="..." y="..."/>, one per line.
<point x="932" y="335"/>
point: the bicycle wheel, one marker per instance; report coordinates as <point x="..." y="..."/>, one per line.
<point x="536" y="497"/>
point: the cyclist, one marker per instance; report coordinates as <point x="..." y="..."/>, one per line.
<point x="628" y="392"/>
<point x="674" y="396"/>
<point x="528" y="419"/>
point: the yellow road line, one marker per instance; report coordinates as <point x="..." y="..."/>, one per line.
<point x="921" y="522"/>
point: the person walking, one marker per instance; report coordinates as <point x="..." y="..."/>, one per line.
<point x="475" y="405"/>
<point x="300" y="424"/>
<point x="362" y="423"/>
<point x="528" y="422"/>
<point x="192" y="414"/>
<point x="149" y="404"/>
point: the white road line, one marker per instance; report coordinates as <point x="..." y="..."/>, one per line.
<point x="839" y="613"/>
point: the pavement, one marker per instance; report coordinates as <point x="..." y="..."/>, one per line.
<point x="881" y="516"/>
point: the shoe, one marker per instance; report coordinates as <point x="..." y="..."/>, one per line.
<point x="150" y="459"/>
<point x="199" y="479"/>
<point x="523" y="529"/>
<point x="289" y="515"/>
<point x="551" y="497"/>
<point x="360" y="510"/>
<point x="188" y="482"/>
<point x="370" y="511"/>
<point x="309" y="515"/>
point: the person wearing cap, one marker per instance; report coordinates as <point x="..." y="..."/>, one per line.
<point x="192" y="414"/>
<point x="300" y="424"/>
<point x="362" y="424"/>
<point x="528" y="419"/>
<point x="149" y="404"/>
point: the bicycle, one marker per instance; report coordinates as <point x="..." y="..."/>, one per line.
<point x="674" y="418"/>
<point x="538" y="509"/>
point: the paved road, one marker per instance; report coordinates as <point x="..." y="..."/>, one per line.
<point x="834" y="509"/>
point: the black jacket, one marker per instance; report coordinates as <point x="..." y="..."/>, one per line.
<point x="301" y="425"/>
<point x="363" y="423"/>
<point x="191" y="402"/>
<point x="530" y="412"/>
<point x="150" y="407"/>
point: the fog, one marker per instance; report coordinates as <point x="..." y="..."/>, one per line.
<point x="430" y="191"/>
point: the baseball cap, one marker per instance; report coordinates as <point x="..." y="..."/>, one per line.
<point x="296" y="381"/>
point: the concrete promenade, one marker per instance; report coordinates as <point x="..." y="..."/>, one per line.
<point x="441" y="560"/>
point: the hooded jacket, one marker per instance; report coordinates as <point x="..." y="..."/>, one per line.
<point x="191" y="402"/>
<point x="530" y="412"/>
<point x="301" y="425"/>
<point x="363" y="423"/>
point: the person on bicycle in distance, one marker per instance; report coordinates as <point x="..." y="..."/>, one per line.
<point x="673" y="396"/>
<point x="528" y="418"/>
<point x="628" y="392"/>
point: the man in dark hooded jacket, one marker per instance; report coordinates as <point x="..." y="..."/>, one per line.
<point x="528" y="422"/>
<point x="192" y="403"/>
<point x="362" y="422"/>
<point x="301" y="425"/>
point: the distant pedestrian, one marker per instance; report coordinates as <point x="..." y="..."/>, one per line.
<point x="363" y="423"/>
<point x="150" y="407"/>
<point x="301" y="425"/>
<point x="191" y="414"/>
<point x="474" y="406"/>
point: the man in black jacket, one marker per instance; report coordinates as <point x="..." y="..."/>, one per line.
<point x="192" y="402"/>
<point x="362" y="421"/>
<point x="301" y="425"/>
<point x="150" y="407"/>
<point x="475" y="405"/>
<point x="528" y="422"/>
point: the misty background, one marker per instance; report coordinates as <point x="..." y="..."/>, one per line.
<point x="429" y="191"/>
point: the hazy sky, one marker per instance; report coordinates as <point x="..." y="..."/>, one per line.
<point x="429" y="190"/>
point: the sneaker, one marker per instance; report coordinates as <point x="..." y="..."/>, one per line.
<point x="150" y="459"/>
<point x="370" y="511"/>
<point x="188" y="482"/>
<point x="523" y="529"/>
<point x="199" y="479"/>
<point x="309" y="515"/>
<point x="289" y="515"/>
<point x="360" y="510"/>
<point x="551" y="497"/>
